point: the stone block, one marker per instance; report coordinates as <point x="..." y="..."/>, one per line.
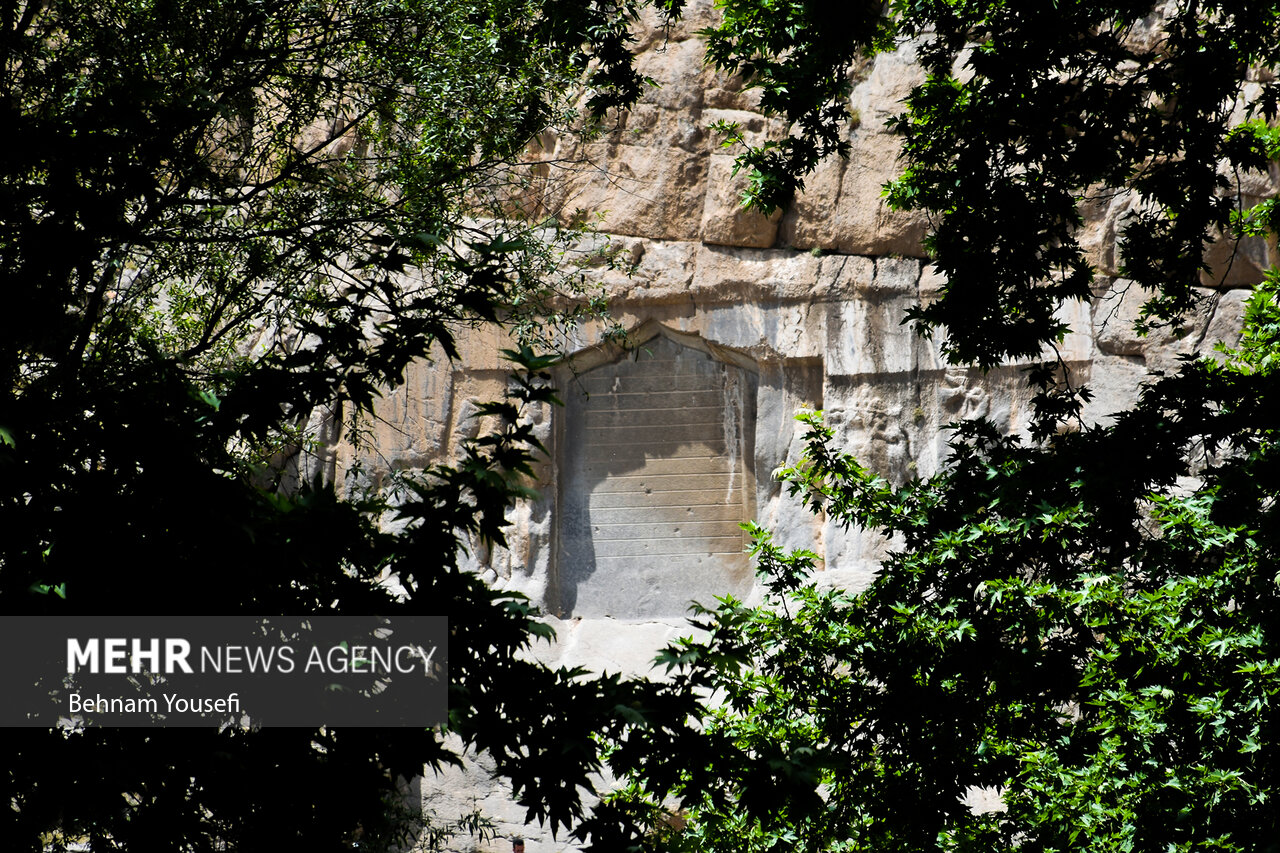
<point x="411" y="422"/>
<point x="1225" y="323"/>
<point x="613" y="646"/>
<point x="679" y="71"/>
<point x="843" y="276"/>
<point x="851" y="557"/>
<point x="1114" y="315"/>
<point x="866" y="338"/>
<point x="895" y="277"/>
<point x="965" y="394"/>
<point x="932" y="283"/>
<point x="652" y="35"/>
<point x="729" y="92"/>
<point x="737" y="274"/>
<point x="1115" y="381"/>
<point x="1118" y="309"/>
<point x="725" y="221"/>
<point x="637" y="190"/>
<point x="863" y="223"/>
<point x="1106" y="217"/>
<point x="1237" y="261"/>
<point x="843" y="209"/>
<point x="874" y="419"/>
<point x="663" y="272"/>
<point x="1077" y="345"/>
<point x="891" y="78"/>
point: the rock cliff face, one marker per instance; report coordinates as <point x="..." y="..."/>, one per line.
<point x="748" y="319"/>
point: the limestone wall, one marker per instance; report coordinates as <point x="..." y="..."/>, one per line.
<point x="808" y="302"/>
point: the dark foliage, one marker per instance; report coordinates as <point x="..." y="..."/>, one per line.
<point x="1083" y="622"/>
<point x="216" y="220"/>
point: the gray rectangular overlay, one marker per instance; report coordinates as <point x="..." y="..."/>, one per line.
<point x="238" y="671"/>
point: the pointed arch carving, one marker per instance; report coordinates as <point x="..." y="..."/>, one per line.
<point x="656" y="474"/>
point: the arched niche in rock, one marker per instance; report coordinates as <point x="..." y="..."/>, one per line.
<point x="655" y="474"/>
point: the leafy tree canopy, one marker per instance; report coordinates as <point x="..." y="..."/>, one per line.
<point x="1028" y="109"/>
<point x="218" y="219"/>
<point x="1084" y="621"/>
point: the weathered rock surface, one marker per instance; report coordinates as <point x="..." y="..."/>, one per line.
<point x="809" y="302"/>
